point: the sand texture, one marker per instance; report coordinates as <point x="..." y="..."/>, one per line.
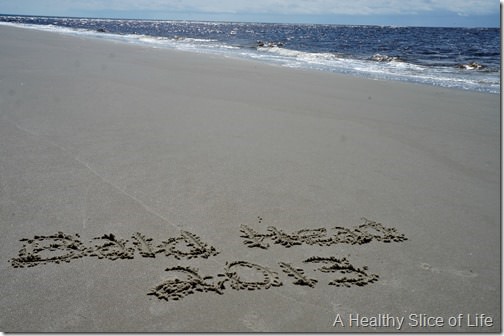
<point x="144" y="189"/>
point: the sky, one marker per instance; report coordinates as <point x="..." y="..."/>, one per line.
<point x="441" y="13"/>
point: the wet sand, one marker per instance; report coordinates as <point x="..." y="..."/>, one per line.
<point x="155" y="190"/>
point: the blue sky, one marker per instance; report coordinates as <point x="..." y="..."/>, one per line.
<point x="446" y="13"/>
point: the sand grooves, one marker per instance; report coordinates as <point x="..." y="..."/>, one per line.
<point x="361" y="234"/>
<point x="244" y="275"/>
<point x="63" y="247"/>
<point x="238" y="275"/>
<point x="235" y="273"/>
<point x="45" y="249"/>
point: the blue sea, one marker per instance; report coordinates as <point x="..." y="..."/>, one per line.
<point x="461" y="58"/>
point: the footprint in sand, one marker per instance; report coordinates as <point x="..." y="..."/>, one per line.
<point x="254" y="322"/>
<point x="428" y="267"/>
<point x="461" y="273"/>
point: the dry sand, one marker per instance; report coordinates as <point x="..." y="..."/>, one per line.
<point x="100" y="138"/>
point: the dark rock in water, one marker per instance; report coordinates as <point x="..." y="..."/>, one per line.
<point x="471" y="66"/>
<point x="101" y="30"/>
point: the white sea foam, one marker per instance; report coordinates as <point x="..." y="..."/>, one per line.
<point x="379" y="67"/>
<point x="385" y="67"/>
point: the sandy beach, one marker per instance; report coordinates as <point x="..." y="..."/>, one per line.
<point x="316" y="202"/>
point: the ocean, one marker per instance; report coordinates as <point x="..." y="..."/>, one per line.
<point x="460" y="58"/>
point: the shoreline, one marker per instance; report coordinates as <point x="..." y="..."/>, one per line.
<point x="125" y="167"/>
<point x="159" y="42"/>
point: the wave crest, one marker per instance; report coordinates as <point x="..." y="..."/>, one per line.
<point x="385" y="58"/>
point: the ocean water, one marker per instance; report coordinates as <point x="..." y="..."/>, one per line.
<point x="461" y="58"/>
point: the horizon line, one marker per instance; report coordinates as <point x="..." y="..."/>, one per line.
<point x="247" y="21"/>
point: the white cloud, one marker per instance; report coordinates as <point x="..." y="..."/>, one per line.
<point x="351" y="7"/>
<point x="287" y="7"/>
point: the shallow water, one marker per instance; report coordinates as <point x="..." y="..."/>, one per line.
<point x="462" y="58"/>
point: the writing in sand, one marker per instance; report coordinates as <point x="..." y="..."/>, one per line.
<point x="238" y="275"/>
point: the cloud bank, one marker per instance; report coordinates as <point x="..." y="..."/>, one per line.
<point x="280" y="7"/>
